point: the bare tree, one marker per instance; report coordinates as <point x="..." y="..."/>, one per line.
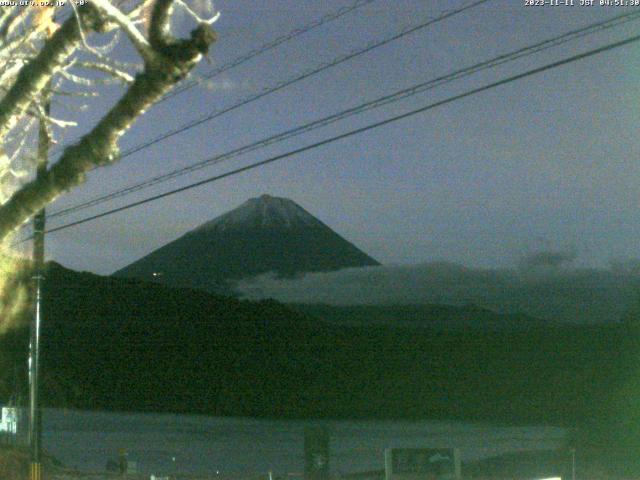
<point x="38" y="57"/>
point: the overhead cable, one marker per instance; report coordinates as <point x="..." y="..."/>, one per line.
<point x="394" y="97"/>
<point x="356" y="131"/>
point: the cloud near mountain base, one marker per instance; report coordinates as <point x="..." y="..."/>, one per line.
<point x="576" y="295"/>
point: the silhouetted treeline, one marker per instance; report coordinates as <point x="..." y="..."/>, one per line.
<point x="127" y="345"/>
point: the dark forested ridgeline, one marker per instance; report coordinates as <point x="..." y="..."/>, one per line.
<point x="121" y="344"/>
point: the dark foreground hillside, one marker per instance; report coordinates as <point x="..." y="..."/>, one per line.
<point x="127" y="345"/>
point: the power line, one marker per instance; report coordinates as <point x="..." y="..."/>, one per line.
<point x="394" y="97"/>
<point x="265" y="48"/>
<point x="269" y="46"/>
<point x="357" y="131"/>
<point x="316" y="70"/>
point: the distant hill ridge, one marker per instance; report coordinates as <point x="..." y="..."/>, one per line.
<point x="121" y="344"/>
<point x="264" y="234"/>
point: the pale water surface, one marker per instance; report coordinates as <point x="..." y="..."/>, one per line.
<point x="165" y="443"/>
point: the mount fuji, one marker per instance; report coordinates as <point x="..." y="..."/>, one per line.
<point x="265" y="234"/>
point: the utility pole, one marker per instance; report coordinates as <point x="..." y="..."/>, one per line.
<point x="35" y="411"/>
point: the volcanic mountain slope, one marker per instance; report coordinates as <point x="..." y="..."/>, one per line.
<point x="265" y="234"/>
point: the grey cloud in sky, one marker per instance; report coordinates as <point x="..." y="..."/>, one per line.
<point x="547" y="259"/>
<point x="224" y="84"/>
<point x="571" y="295"/>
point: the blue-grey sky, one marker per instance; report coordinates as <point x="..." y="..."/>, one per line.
<point x="546" y="163"/>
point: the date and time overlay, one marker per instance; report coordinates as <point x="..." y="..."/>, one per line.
<point x="581" y="3"/>
<point x="43" y="3"/>
<point x="526" y="3"/>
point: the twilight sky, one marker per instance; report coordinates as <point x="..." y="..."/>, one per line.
<point x="546" y="163"/>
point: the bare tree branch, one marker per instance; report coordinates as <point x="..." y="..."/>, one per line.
<point x="195" y="16"/>
<point x="111" y="70"/>
<point x="159" y="35"/>
<point x="34" y="76"/>
<point x="171" y="61"/>
<point x="11" y="22"/>
<point x="123" y="21"/>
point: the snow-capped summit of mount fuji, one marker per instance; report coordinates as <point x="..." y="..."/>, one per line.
<point x="265" y="211"/>
<point x="264" y="234"/>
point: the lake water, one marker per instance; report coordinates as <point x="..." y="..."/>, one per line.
<point x="165" y="443"/>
